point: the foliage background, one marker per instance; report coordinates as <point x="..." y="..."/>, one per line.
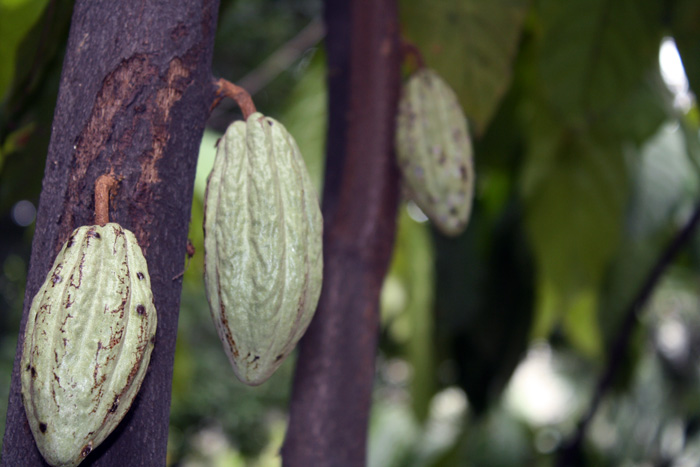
<point x="492" y="342"/>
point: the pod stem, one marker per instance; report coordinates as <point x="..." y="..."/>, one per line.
<point x="228" y="89"/>
<point x="409" y="49"/>
<point x="104" y="187"/>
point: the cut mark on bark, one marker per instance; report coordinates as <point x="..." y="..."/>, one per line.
<point x="176" y="79"/>
<point x="119" y="89"/>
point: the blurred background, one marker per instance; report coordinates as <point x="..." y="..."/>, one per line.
<point x="587" y="150"/>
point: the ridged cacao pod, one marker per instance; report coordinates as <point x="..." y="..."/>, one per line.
<point x="262" y="246"/>
<point x="87" y="342"/>
<point x="434" y="151"/>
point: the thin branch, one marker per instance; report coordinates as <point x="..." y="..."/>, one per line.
<point x="284" y="57"/>
<point x="570" y="451"/>
<point x="279" y="61"/>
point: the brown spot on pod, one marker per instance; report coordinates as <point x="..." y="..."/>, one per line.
<point x="140" y="275"/>
<point x="42" y="427"/>
<point x="86" y="450"/>
<point x="140" y="309"/>
<point x="115" y="404"/>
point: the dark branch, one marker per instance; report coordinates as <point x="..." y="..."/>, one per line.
<point x="570" y="453"/>
<point x="332" y="390"/>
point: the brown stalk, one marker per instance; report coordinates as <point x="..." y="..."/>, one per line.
<point x="104" y="188"/>
<point x="411" y="50"/>
<point x="228" y="89"/>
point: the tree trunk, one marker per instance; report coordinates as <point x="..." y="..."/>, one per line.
<point x="333" y="383"/>
<point x="134" y="98"/>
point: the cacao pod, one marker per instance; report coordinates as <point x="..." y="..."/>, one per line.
<point x="262" y="246"/>
<point x="87" y="342"/>
<point x="434" y="151"/>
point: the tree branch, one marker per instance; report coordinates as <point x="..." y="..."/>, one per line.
<point x="332" y="390"/>
<point x="570" y="453"/>
<point x="133" y="100"/>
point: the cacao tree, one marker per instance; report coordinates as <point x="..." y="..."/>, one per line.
<point x="579" y="259"/>
<point x="134" y="97"/>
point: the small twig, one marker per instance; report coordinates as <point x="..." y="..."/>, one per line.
<point x="283" y="58"/>
<point x="280" y="60"/>
<point x="104" y="187"/>
<point x="570" y="450"/>
<point x="409" y="49"/>
<point x="238" y="94"/>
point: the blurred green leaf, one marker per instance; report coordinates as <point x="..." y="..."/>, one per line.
<point x="574" y="189"/>
<point x="413" y="269"/>
<point x="15" y="141"/>
<point x="594" y="52"/>
<point x="394" y="433"/>
<point x="16" y="19"/>
<point x="664" y="188"/>
<point x="640" y="113"/>
<point x="472" y="44"/>
<point x="485" y="299"/>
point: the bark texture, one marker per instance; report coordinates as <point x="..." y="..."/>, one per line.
<point x="134" y="98"/>
<point x="332" y="390"/>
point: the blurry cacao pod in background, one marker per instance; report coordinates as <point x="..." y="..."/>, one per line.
<point x="434" y="151"/>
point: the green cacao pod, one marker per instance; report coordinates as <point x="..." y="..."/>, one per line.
<point x="434" y="151"/>
<point x="262" y="246"/>
<point x="87" y="342"/>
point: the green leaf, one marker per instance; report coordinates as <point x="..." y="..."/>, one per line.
<point x="594" y="52"/>
<point x="665" y="188"/>
<point x="485" y="298"/>
<point x="413" y="268"/>
<point x="472" y="44"/>
<point x="665" y="184"/>
<point x="16" y="19"/>
<point x="394" y="435"/>
<point x="575" y="191"/>
<point x="641" y="112"/>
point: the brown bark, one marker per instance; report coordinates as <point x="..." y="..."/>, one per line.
<point x="332" y="389"/>
<point x="133" y="100"/>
